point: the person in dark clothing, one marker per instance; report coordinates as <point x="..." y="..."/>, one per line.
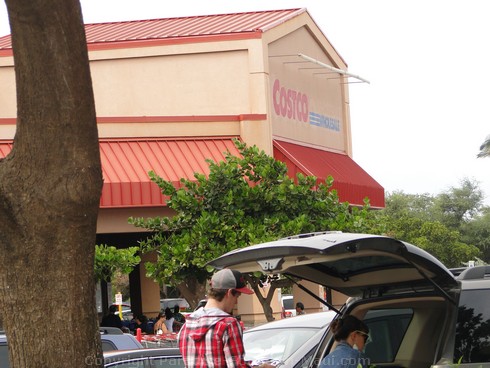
<point x="112" y="319"/>
<point x="142" y="322"/>
<point x="179" y="319"/>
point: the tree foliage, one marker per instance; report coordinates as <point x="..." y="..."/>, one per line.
<point x="458" y="205"/>
<point x="434" y="237"/>
<point x="109" y="260"/>
<point x="477" y="232"/>
<point x="451" y="225"/>
<point x="244" y="200"/>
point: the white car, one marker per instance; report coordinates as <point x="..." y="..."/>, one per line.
<point x="288" y="307"/>
<point x="288" y="341"/>
<point x="172" y="302"/>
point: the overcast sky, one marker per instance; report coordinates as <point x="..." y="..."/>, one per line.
<point x="418" y="125"/>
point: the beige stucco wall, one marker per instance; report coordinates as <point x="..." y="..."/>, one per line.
<point x="196" y="84"/>
<point x="115" y="220"/>
<point x="299" y="87"/>
<point x="150" y="290"/>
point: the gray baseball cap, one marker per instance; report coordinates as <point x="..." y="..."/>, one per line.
<point x="230" y="279"/>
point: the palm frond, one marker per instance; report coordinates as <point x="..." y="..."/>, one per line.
<point x="485" y="148"/>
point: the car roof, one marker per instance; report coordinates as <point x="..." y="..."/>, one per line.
<point x="119" y="355"/>
<point x="350" y="263"/>
<point x="181" y="302"/>
<point x="310" y="320"/>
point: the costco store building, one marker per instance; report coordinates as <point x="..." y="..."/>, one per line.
<point x="171" y="93"/>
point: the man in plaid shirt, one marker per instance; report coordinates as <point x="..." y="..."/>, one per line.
<point x="211" y="337"/>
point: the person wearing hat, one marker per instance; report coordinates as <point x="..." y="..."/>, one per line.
<point x="211" y="336"/>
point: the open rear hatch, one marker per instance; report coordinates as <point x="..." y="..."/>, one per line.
<point x="354" y="264"/>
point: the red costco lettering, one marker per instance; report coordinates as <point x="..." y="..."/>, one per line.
<point x="289" y="103"/>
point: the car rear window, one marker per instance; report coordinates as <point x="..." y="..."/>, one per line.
<point x="473" y="327"/>
<point x="108" y="345"/>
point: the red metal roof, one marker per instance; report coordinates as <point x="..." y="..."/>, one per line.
<point x="183" y="29"/>
<point x="352" y="183"/>
<point x="126" y="163"/>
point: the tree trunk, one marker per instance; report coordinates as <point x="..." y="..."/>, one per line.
<point x="192" y="290"/>
<point x="266" y="302"/>
<point x="50" y="188"/>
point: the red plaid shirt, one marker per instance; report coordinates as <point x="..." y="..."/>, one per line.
<point x="212" y="339"/>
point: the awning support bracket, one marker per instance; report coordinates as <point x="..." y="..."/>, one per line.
<point x="337" y="70"/>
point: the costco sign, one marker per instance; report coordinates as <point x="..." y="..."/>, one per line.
<point x="293" y="105"/>
<point x="290" y="103"/>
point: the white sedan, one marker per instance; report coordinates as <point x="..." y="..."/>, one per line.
<point x="286" y="341"/>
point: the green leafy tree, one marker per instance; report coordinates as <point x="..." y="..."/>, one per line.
<point x="109" y="260"/>
<point x="477" y="232"/>
<point x="245" y="200"/>
<point x="458" y="205"/>
<point x="399" y="204"/>
<point x="414" y="218"/>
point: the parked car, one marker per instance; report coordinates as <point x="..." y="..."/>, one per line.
<point x="144" y="358"/>
<point x="4" y="353"/>
<point x="127" y="314"/>
<point x="112" y="339"/>
<point x="445" y="317"/>
<point x="289" y="340"/>
<point x="172" y="302"/>
<point x="287" y="305"/>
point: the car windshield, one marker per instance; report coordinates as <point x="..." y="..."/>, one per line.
<point x="276" y="344"/>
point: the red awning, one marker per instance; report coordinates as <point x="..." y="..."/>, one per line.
<point x="352" y="183"/>
<point x="126" y="163"/>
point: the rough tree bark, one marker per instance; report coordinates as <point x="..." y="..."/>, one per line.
<point x="192" y="290"/>
<point x="50" y="187"/>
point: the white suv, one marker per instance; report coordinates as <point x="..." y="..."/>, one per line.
<point x="439" y="319"/>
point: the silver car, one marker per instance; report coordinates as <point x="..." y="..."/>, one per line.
<point x="287" y="341"/>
